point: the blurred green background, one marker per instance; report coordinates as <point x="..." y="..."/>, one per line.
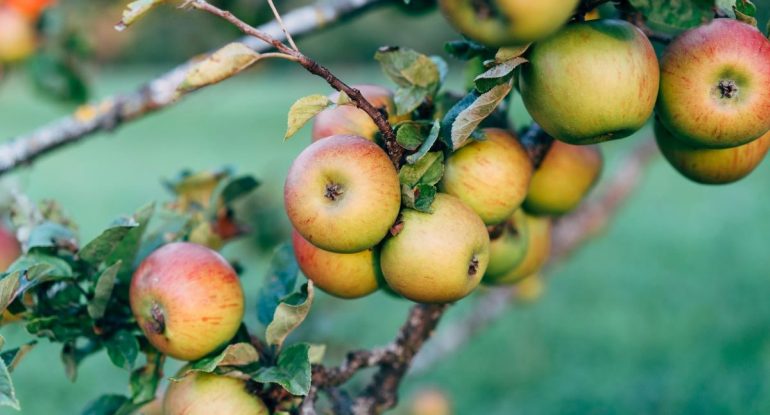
<point x="666" y="312"/>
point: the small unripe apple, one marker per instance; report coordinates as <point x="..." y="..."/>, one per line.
<point x="498" y="23"/>
<point x="342" y="194"/>
<point x="714" y="87"/>
<point x="591" y="82"/>
<point x="711" y="165"/>
<point x="187" y="300"/>
<point x="342" y="275"/>
<point x="349" y="119"/>
<point x="201" y="393"/>
<point x="564" y="178"/>
<point x="491" y="176"/>
<point x="437" y="257"/>
<point x="538" y="251"/>
<point x="17" y="35"/>
<point x="508" y="248"/>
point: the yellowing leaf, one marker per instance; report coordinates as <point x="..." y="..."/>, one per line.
<point x="471" y="117"/>
<point x="220" y="65"/>
<point x="288" y="316"/>
<point x="506" y="54"/>
<point x="134" y="11"/>
<point x="303" y="110"/>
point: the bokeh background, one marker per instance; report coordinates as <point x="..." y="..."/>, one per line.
<point x="666" y="312"/>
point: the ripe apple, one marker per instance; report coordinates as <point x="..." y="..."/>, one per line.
<point x="437" y="257"/>
<point x="491" y="176"/>
<point x="187" y="300"/>
<point x="538" y="250"/>
<point x="342" y="194"/>
<point x="17" y="35"/>
<point x="349" y="120"/>
<point x="31" y="9"/>
<point x="10" y="250"/>
<point x="591" y="82"/>
<point x="711" y="165"/>
<point x="342" y="275"/>
<point x="714" y="85"/>
<point x="564" y="178"/>
<point x="508" y="249"/>
<point x="498" y="23"/>
<point x="201" y="393"/>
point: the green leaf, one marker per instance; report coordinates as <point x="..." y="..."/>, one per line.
<point x="278" y="283"/>
<point x="461" y="121"/>
<point x="292" y="371"/>
<point x="58" y="75"/>
<point x="105" y="405"/>
<point x="237" y="188"/>
<point x="102" y="246"/>
<point x="407" y="67"/>
<point x="220" y="65"/>
<point x="27" y="272"/>
<point x="675" y="14"/>
<point x="409" y="135"/>
<point x="103" y="291"/>
<point x="419" y="198"/>
<point x="498" y="74"/>
<point x="289" y="315"/>
<point x="467" y="49"/>
<point x="12" y="357"/>
<point x="407" y="99"/>
<point x="171" y="228"/>
<point x="303" y="110"/>
<point x="144" y="380"/>
<point x="122" y="348"/>
<point x="7" y="392"/>
<point x="134" y="11"/>
<point x="50" y="235"/>
<point x="428" y="170"/>
<point x="426" y="145"/>
<point x="128" y="248"/>
<point x="316" y="353"/>
<point x="746" y="12"/>
<point x="238" y="354"/>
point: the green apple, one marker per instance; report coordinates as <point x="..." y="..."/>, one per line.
<point x="563" y="179"/>
<point x="714" y="86"/>
<point x="17" y="35"/>
<point x="201" y="393"/>
<point x="350" y="120"/>
<point x="591" y="82"/>
<point x="508" y="248"/>
<point x="491" y="176"/>
<point x="342" y="194"/>
<point x="342" y="275"/>
<point x="711" y="165"/>
<point x="538" y="251"/>
<point x="187" y="300"/>
<point x="498" y="23"/>
<point x="437" y="257"/>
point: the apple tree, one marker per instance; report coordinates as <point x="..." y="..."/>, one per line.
<point x="414" y="190"/>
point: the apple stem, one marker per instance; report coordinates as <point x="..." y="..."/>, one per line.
<point x="157" y="324"/>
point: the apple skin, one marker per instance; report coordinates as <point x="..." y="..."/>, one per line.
<point x="341" y="275"/>
<point x="350" y="120"/>
<point x="342" y="194"/>
<point x="207" y="394"/>
<point x="508" y="249"/>
<point x="517" y="22"/>
<point x="714" y="85"/>
<point x="563" y="179"/>
<point x="591" y="82"/>
<point x="490" y="176"/>
<point x="187" y="300"/>
<point x="155" y="407"/>
<point x="538" y="251"/>
<point x="711" y="165"/>
<point x="10" y="250"/>
<point x="431" y="402"/>
<point x="529" y="289"/>
<point x="437" y="257"/>
<point x="17" y="35"/>
<point x="31" y="9"/>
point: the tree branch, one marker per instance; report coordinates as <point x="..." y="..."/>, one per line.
<point x="161" y="92"/>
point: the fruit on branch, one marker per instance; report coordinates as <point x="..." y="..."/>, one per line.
<point x="342" y="194"/>
<point x="714" y="85"/>
<point x="507" y="246"/>
<point x="201" y="393"/>
<point x="350" y="120"/>
<point x="30" y="8"/>
<point x="17" y="35"/>
<point x="437" y="257"/>
<point x="491" y="175"/>
<point x="498" y="23"/>
<point x="10" y="250"/>
<point x="431" y="402"/>
<point x="538" y="251"/>
<point x="342" y="275"/>
<point x="564" y="178"/>
<point x="591" y="82"/>
<point x="187" y="300"/>
<point x="711" y="165"/>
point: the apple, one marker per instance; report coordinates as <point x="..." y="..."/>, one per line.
<point x="30" y="8"/>
<point x="538" y="251"/>
<point x="187" y="300"/>
<point x="342" y="275"/>
<point x="154" y="407"/>
<point x="17" y="35"/>
<point x="529" y="289"/>
<point x="431" y="402"/>
<point x="508" y="248"/>
<point x="200" y="393"/>
<point x="563" y="179"/>
<point x="350" y="120"/>
<point x="498" y="23"/>
<point x="711" y="165"/>
<point x="491" y="176"/>
<point x="591" y="82"/>
<point x="714" y="85"/>
<point x="10" y="250"/>
<point x="437" y="257"/>
<point x="342" y="194"/>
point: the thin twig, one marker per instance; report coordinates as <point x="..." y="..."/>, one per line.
<point x="283" y="27"/>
